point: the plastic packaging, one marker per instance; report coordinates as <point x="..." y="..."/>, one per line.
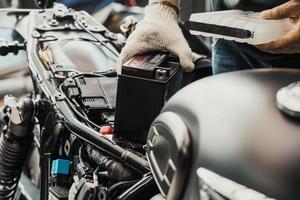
<point x="237" y="25"/>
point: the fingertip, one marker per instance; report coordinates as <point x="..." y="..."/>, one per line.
<point x="186" y="60"/>
<point x="188" y="66"/>
<point x="265" y="14"/>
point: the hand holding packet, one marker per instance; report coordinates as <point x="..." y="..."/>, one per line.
<point x="239" y="26"/>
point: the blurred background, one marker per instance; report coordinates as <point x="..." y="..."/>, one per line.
<point x="94" y="6"/>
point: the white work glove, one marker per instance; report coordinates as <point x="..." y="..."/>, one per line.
<point x="158" y="31"/>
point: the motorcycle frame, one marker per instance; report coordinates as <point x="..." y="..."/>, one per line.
<point x="44" y="80"/>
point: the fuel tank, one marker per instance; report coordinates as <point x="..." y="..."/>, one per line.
<point x="237" y="131"/>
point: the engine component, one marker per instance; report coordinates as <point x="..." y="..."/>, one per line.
<point x="83" y="190"/>
<point x="116" y="171"/>
<point x="60" y="166"/>
<point x="143" y="189"/>
<point x="95" y="94"/>
<point x="146" y="83"/>
<point x="85" y="184"/>
<point x="15" y="142"/>
<point x="60" y="180"/>
<point x="58" y="193"/>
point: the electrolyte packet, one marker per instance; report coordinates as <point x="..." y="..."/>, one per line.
<point x="238" y="25"/>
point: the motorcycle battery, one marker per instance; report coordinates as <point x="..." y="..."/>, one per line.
<point x="145" y="84"/>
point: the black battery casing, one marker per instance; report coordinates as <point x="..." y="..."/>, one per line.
<point x="145" y="84"/>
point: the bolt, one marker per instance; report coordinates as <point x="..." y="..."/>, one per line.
<point x="53" y="22"/>
<point x="59" y="97"/>
<point x="19" y="108"/>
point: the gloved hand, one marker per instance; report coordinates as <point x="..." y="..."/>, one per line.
<point x="158" y="31"/>
<point x="290" y="43"/>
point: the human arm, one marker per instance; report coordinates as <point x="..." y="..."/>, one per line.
<point x="159" y="31"/>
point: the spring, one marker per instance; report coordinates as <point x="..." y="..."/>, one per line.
<point x="13" y="152"/>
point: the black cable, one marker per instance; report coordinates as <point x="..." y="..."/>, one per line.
<point x="78" y="106"/>
<point x="88" y="75"/>
<point x="82" y="116"/>
<point x="119" y="186"/>
<point x="116" y="170"/>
